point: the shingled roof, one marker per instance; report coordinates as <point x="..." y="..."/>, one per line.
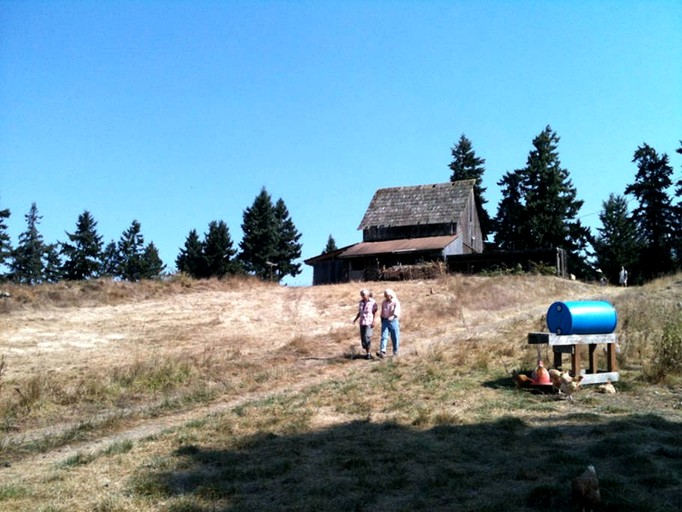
<point x="420" y="204"/>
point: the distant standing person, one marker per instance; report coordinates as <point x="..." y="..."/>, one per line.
<point x="367" y="310"/>
<point x="623" y="277"/>
<point x="390" y="322"/>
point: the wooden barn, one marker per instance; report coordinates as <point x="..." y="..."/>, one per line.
<point x="406" y="226"/>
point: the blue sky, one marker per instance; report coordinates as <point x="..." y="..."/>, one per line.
<point x="177" y="113"/>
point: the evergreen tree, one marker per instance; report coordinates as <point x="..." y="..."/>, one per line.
<point x="288" y="246"/>
<point x="510" y="220"/>
<point x="152" y="266"/>
<point x="217" y="250"/>
<point x="131" y="252"/>
<point x="539" y="207"/>
<point x="655" y="213"/>
<point x="331" y="245"/>
<point x="5" y="242"/>
<point x="83" y="255"/>
<point x="677" y="228"/>
<point x="111" y="260"/>
<point x="551" y="203"/>
<point x="191" y="259"/>
<point x="27" y="258"/>
<point x="259" y="245"/>
<point x="52" y="264"/>
<point x="617" y="243"/>
<point x="466" y="165"/>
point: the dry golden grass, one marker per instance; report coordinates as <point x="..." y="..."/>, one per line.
<point x="120" y="396"/>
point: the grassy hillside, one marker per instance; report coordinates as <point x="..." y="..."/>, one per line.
<point x="243" y="395"/>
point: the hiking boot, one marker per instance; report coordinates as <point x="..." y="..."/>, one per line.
<point x="381" y="355"/>
<point x="368" y="356"/>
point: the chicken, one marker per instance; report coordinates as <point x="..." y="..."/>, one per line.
<point x="585" y="490"/>
<point x="607" y="388"/>
<point x="568" y="385"/>
<point x="555" y="377"/>
<point x="521" y="380"/>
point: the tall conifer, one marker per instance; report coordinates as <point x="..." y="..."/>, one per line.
<point x="27" y="258"/>
<point x="83" y="252"/>
<point x="616" y="244"/>
<point x="466" y="165"/>
<point x="288" y="246"/>
<point x="5" y="242"/>
<point x="191" y="259"/>
<point x="259" y="244"/>
<point x="654" y="214"/>
<point x="218" y="252"/>
<point x="130" y="251"/>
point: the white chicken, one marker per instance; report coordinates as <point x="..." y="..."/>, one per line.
<point x="569" y="385"/>
<point x="607" y="388"/>
<point x="555" y="377"/>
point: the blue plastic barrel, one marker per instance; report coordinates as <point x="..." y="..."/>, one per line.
<point x="581" y="317"/>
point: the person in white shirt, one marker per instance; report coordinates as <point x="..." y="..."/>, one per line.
<point x="390" y="322"/>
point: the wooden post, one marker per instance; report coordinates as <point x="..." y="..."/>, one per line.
<point x="557" y="359"/>
<point x="611" y="363"/>
<point x="593" y="358"/>
<point x="575" y="360"/>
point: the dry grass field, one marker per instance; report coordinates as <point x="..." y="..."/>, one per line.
<point x="240" y="395"/>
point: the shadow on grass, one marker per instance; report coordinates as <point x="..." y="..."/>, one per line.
<point x="500" y="466"/>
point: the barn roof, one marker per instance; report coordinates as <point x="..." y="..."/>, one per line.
<point x="406" y="245"/>
<point x="421" y="204"/>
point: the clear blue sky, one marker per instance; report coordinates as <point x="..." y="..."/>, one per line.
<point x="177" y="113"/>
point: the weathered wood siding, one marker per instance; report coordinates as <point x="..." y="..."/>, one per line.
<point x="469" y="231"/>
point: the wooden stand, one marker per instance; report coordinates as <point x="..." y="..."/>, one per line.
<point x="569" y="344"/>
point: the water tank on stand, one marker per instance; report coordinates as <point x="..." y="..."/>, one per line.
<point x="581" y="317"/>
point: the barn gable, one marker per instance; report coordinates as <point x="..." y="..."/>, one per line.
<point x="416" y="211"/>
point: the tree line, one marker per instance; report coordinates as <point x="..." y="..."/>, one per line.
<point x="539" y="209"/>
<point x="269" y="248"/>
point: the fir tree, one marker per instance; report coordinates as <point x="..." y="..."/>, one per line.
<point x="510" y="221"/>
<point x="111" y="260"/>
<point x="617" y="243"/>
<point x="466" y="165"/>
<point x="52" y="264"/>
<point x="5" y="242"/>
<point x="191" y="259"/>
<point x="218" y="252"/>
<point x="331" y="245"/>
<point x="152" y="266"/>
<point x="259" y="245"/>
<point x="655" y="213"/>
<point x="539" y="207"/>
<point x="83" y="255"/>
<point x="288" y="246"/>
<point x="131" y="250"/>
<point x="27" y="258"/>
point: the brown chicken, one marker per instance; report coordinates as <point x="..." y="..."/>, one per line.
<point x="585" y="490"/>
<point x="521" y="380"/>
